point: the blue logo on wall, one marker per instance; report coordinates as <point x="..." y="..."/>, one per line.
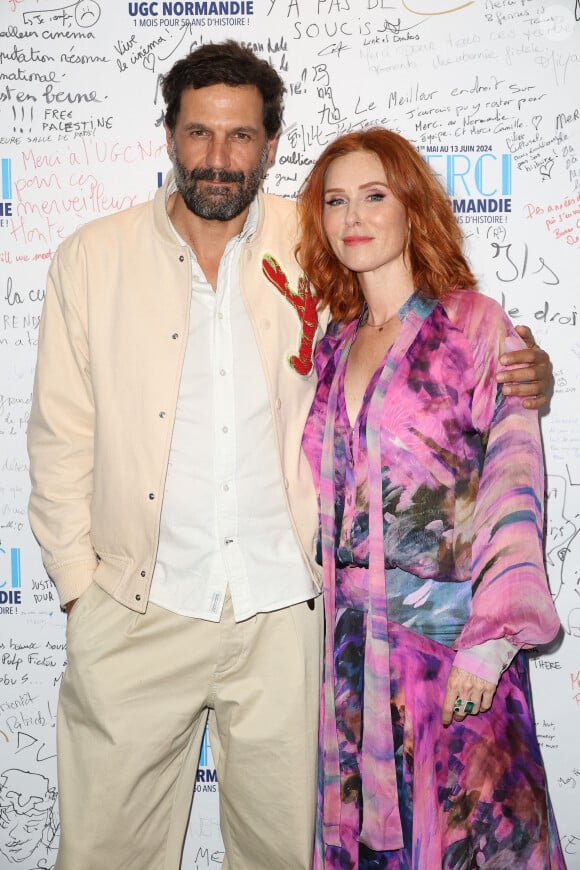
<point x="206" y="779"/>
<point x="204" y="754"/>
<point x="6" y="178"/>
<point x="5" y="187"/>
<point x="479" y="184"/>
<point x="10" y="590"/>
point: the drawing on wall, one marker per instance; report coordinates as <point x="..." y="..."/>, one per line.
<point x="568" y="596"/>
<point x="563" y="553"/>
<point x="28" y="820"/>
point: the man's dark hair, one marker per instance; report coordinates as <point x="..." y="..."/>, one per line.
<point x="224" y="63"/>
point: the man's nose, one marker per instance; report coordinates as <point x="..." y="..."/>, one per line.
<point x="218" y="153"/>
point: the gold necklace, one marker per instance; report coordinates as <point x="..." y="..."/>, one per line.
<point x="380" y="326"/>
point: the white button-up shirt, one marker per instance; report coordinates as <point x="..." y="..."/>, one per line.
<point x="224" y="520"/>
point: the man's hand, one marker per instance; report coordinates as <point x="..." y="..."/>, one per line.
<point x="533" y="380"/>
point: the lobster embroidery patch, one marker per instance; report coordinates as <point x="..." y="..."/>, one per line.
<point x="304" y="303"/>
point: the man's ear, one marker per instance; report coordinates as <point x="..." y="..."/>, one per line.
<point x="168" y="139"/>
<point x="272" y="148"/>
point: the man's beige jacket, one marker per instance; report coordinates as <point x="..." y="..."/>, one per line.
<point x="111" y="347"/>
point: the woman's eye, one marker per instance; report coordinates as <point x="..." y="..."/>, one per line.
<point x="334" y="200"/>
<point x="376" y="197"/>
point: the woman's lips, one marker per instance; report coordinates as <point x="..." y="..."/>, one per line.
<point x="356" y="240"/>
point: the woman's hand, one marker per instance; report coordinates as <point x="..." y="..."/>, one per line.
<point x="468" y="689"/>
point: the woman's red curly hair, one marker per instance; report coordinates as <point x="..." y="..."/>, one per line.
<point x="435" y="247"/>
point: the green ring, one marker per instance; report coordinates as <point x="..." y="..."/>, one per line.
<point x="458" y="704"/>
<point x="469" y="707"/>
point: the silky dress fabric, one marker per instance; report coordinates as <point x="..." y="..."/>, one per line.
<point x="472" y="795"/>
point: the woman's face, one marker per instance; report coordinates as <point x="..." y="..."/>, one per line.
<point x="366" y="226"/>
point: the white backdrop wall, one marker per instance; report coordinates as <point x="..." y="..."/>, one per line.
<point x="487" y="90"/>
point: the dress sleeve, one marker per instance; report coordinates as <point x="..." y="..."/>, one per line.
<point x="510" y="594"/>
<point x="487" y="660"/>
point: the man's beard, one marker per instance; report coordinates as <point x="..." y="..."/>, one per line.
<point x="215" y="202"/>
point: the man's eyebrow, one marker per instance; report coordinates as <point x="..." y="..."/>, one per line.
<point x="242" y="128"/>
<point x="245" y="128"/>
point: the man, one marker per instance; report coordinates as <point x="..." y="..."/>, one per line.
<point x="170" y="494"/>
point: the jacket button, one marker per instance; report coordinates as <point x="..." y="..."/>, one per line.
<point x="151" y="496"/>
<point x="181" y="258"/>
<point x="162" y="414"/>
<point x="137" y="598"/>
<point x="143" y="573"/>
<point x="175" y="336"/>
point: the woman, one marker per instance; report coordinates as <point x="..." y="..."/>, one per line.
<point x="431" y="534"/>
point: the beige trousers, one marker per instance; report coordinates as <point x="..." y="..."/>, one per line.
<point x="133" y="705"/>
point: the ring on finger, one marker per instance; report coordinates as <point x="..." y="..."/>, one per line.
<point x="469" y="707"/>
